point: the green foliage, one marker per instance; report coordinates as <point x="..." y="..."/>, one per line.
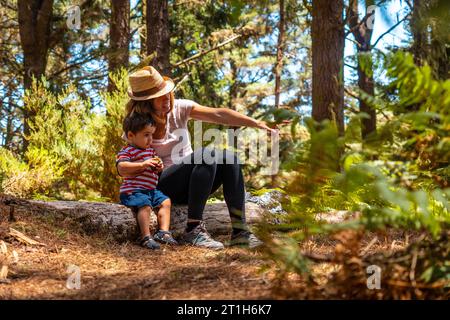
<point x="110" y="140"/>
<point x="428" y="140"/>
<point x="28" y="179"/>
<point x="383" y="203"/>
<point x="71" y="153"/>
<point x="406" y="188"/>
<point x="288" y="259"/>
<point x="315" y="161"/>
<point x="193" y="27"/>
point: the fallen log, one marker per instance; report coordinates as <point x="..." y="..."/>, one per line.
<point x="3" y="262"/>
<point x="119" y="221"/>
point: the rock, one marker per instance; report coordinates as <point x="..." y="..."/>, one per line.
<point x="271" y="201"/>
<point x="336" y="216"/>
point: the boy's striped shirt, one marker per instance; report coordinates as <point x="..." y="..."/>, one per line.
<point x="148" y="179"/>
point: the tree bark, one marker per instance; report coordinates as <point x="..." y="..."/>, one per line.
<point x="34" y="28"/>
<point x="327" y="60"/>
<point x="143" y="31"/>
<point x="158" y="36"/>
<point x="9" y="125"/>
<point x="119" y="37"/>
<point x="429" y="26"/>
<point x="366" y="84"/>
<point x="280" y="48"/>
<point x="279" y="64"/>
<point x="233" y="92"/>
<point x="439" y="39"/>
<point x="363" y="36"/>
<point x="418" y="26"/>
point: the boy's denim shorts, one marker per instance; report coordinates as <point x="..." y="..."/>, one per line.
<point x="141" y="198"/>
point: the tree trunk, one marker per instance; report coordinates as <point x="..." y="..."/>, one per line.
<point x="233" y="92"/>
<point x="34" y="28"/>
<point x="119" y="222"/>
<point x="279" y="66"/>
<point x="441" y="53"/>
<point x="327" y="60"/>
<point x="119" y="37"/>
<point x="9" y="124"/>
<point x="363" y="36"/>
<point x="366" y="84"/>
<point x="440" y="39"/>
<point x="143" y="31"/>
<point x="429" y="26"/>
<point x="419" y="26"/>
<point x="158" y="36"/>
<point x="3" y="136"/>
<point x="280" y="47"/>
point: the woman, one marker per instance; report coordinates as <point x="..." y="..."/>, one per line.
<point x="184" y="180"/>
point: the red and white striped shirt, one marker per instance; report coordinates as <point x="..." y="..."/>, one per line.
<point x="148" y="179"/>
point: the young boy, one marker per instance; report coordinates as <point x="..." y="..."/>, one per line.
<point x="140" y="166"/>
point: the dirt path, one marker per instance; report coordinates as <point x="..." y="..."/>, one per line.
<point x="109" y="270"/>
<point x="126" y="271"/>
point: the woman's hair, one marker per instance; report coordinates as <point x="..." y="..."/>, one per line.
<point x="146" y="107"/>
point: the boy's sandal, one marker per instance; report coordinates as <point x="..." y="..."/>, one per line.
<point x="165" y="237"/>
<point x="149" y="243"/>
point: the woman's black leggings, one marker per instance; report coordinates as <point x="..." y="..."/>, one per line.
<point x="193" y="180"/>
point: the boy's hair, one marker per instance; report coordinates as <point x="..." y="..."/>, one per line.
<point x="135" y="122"/>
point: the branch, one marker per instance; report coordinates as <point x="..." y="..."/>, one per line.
<point x="360" y="23"/>
<point x="351" y="109"/>
<point x="351" y="93"/>
<point x="354" y="95"/>
<point x="183" y="2"/>
<point x="350" y="66"/>
<point x="75" y="65"/>
<point x="8" y="5"/>
<point x="318" y="257"/>
<point x="183" y="79"/>
<point x="390" y="30"/>
<point x="354" y="41"/>
<point x="409" y="4"/>
<point x="307" y="6"/>
<point x="204" y="52"/>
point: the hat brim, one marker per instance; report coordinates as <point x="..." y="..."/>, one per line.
<point x="170" y="85"/>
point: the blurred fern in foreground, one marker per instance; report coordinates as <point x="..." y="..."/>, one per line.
<point x="398" y="179"/>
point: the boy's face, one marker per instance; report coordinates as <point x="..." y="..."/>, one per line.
<point x="142" y="139"/>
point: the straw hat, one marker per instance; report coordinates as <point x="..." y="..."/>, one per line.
<point x="147" y="83"/>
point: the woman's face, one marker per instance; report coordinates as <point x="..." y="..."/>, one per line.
<point x="162" y="104"/>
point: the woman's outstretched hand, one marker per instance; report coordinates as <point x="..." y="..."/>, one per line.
<point x="264" y="125"/>
<point x="271" y="127"/>
<point x="230" y="117"/>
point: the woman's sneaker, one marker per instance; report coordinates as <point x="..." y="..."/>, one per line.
<point x="245" y="238"/>
<point x="200" y="237"/>
<point x="149" y="243"/>
<point x="165" y="237"/>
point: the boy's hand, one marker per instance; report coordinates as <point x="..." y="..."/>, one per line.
<point x="160" y="165"/>
<point x="154" y="163"/>
<point x="160" y="168"/>
<point x="150" y="163"/>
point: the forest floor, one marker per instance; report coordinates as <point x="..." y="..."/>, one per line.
<point x="126" y="271"/>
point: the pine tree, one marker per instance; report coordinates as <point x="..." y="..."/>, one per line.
<point x="327" y="58"/>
